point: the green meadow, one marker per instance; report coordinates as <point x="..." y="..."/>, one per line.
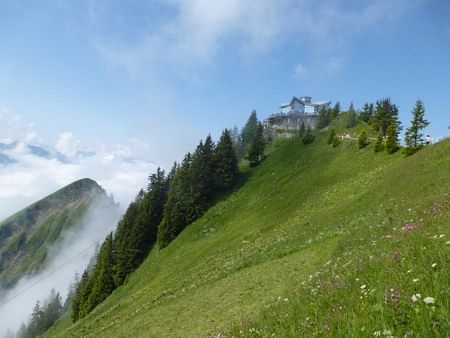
<point x="315" y="241"/>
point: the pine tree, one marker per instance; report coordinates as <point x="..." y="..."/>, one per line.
<point x="367" y="112"/>
<point x="334" y="113"/>
<point x="256" y="151"/>
<point x="309" y="136"/>
<point x="177" y="209"/>
<point x="352" y="116"/>
<point x="248" y="133"/>
<point x="386" y="113"/>
<point x="379" y="143"/>
<point x="363" y="140"/>
<point x="413" y="135"/>
<point x="225" y="162"/>
<point x="392" y="138"/>
<point x="332" y="136"/>
<point x="323" y="119"/>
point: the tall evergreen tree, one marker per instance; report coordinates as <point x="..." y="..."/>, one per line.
<point x="392" y="144"/>
<point x="225" y="162"/>
<point x="177" y="212"/>
<point x="323" y="119"/>
<point x="386" y="113"/>
<point x="367" y="112"/>
<point x="335" y="111"/>
<point x="256" y="151"/>
<point x="248" y="133"/>
<point x="413" y="135"/>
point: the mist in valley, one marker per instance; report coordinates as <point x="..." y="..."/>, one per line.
<point x="68" y="257"/>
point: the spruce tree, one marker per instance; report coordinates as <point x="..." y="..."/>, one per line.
<point x="379" y="143"/>
<point x="256" y="151"/>
<point x="413" y="135"/>
<point x="309" y="137"/>
<point x="367" y="112"/>
<point x="248" y="133"/>
<point x="392" y="139"/>
<point x="386" y="113"/>
<point x="363" y="140"/>
<point x="323" y="119"/>
<point x="225" y="162"/>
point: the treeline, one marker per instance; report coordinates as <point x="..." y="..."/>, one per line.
<point x="383" y="119"/>
<point x="157" y="216"/>
<point x="42" y="317"/>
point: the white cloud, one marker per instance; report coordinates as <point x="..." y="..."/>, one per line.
<point x="121" y="170"/>
<point x="196" y="31"/>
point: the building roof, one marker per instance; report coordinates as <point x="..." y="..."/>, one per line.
<point x="318" y="103"/>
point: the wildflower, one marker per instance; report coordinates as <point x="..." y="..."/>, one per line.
<point x="377" y="333"/>
<point x="441" y="236"/>
<point x="387" y="332"/>
<point x="415" y="280"/>
<point x="416" y="297"/>
<point x="428" y="300"/>
<point x="363" y="287"/>
<point x="433" y="265"/>
<point x="409" y="271"/>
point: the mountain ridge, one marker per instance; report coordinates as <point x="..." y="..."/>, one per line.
<point x="27" y="235"/>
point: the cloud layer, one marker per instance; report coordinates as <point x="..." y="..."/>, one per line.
<point x="37" y="169"/>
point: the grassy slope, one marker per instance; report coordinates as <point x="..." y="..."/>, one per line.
<point x="265" y="260"/>
<point x="28" y="234"/>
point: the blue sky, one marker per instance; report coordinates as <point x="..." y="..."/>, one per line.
<point x="163" y="74"/>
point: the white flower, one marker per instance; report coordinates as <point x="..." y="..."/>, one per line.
<point x="433" y="265"/>
<point x="415" y="280"/>
<point x="387" y="332"/>
<point x="416" y="297"/>
<point x="377" y="333"/>
<point x="441" y="236"/>
<point x="363" y="287"/>
<point x="428" y="300"/>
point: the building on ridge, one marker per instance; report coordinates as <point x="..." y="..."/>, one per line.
<point x="294" y="113"/>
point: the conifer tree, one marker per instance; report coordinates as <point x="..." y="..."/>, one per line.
<point x="413" y="135"/>
<point x="379" y="143"/>
<point x="334" y="112"/>
<point x="323" y="119"/>
<point x="202" y="177"/>
<point x="392" y="138"/>
<point x="176" y="211"/>
<point x="363" y="140"/>
<point x="103" y="274"/>
<point x="331" y="136"/>
<point x="256" y="151"/>
<point x="367" y="112"/>
<point x="386" y="113"/>
<point x="225" y="162"/>
<point x="309" y="137"/>
<point x="248" y="133"/>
